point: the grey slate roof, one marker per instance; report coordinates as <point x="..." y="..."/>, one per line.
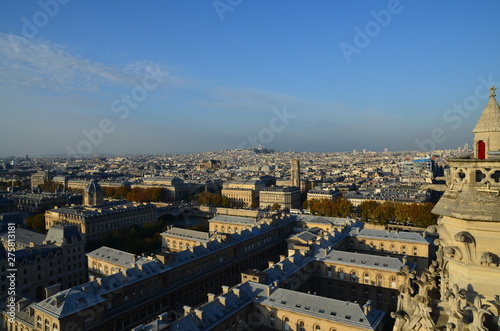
<point x="321" y="307"/>
<point x="25" y="236"/>
<point x="322" y="219"/>
<point x="234" y="219"/>
<point x="117" y="257"/>
<point x="364" y="260"/>
<point x="399" y="236"/>
<point x="63" y="233"/>
<point x="86" y="295"/>
<point x="187" y="234"/>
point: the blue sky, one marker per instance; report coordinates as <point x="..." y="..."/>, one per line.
<point x="318" y="76"/>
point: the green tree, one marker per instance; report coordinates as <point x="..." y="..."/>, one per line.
<point x="402" y="212"/>
<point x="305" y="204"/>
<point x="344" y="207"/>
<point x="276" y="206"/>
<point x="225" y="202"/>
<point x="37" y="223"/>
<point x="49" y="186"/>
<point x="367" y="209"/>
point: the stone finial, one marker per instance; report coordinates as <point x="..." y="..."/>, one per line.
<point x="492" y="91"/>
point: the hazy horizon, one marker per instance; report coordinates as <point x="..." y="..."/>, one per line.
<point x="179" y="78"/>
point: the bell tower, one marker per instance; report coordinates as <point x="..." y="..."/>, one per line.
<point x="487" y="130"/>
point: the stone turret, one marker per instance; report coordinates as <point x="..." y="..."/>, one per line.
<point x="93" y="195"/>
<point x="487" y="130"/>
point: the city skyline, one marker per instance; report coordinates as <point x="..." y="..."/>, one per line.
<point x="169" y="78"/>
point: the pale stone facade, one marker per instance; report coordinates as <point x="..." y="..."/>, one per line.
<point x="286" y="197"/>
<point x="95" y="222"/>
<point x="461" y="289"/>
<point x="179" y="239"/>
<point x="243" y="193"/>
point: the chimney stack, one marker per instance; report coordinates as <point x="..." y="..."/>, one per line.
<point x="187" y="310"/>
<point x="367" y="307"/>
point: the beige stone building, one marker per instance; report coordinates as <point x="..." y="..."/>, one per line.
<point x="179" y="239"/>
<point x="135" y="295"/>
<point x="254" y="306"/>
<point x="230" y="224"/>
<point x="243" y="193"/>
<point x="106" y="261"/>
<point x="417" y="248"/>
<point x="175" y="187"/>
<point x="287" y="197"/>
<point x="95" y="222"/>
<point x="319" y="193"/>
<point x="55" y="264"/>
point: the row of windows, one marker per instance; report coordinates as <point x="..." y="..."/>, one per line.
<point x="392" y="248"/>
<point x="366" y="277"/>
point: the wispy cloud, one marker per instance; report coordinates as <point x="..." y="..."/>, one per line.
<point x="42" y="64"/>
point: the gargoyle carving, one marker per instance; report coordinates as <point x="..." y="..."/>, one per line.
<point x="453" y="252"/>
<point x="489" y="258"/>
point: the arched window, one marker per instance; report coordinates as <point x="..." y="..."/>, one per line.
<point x="55" y="327"/>
<point x="393" y="249"/>
<point x="341" y="273"/>
<point x="381" y="246"/>
<point x="366" y="278"/>
<point x="354" y="276"/>
<point x="271" y="319"/>
<point x="415" y="250"/>
<point x="393" y="282"/>
<point x="393" y="298"/>
<point x="286" y="324"/>
<point x="379" y="280"/>
<point x="329" y="272"/>
<point x="403" y="250"/>
<point x="301" y="326"/>
<point x="317" y="327"/>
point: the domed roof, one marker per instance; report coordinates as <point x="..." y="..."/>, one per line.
<point x="490" y="118"/>
<point x="93" y="187"/>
